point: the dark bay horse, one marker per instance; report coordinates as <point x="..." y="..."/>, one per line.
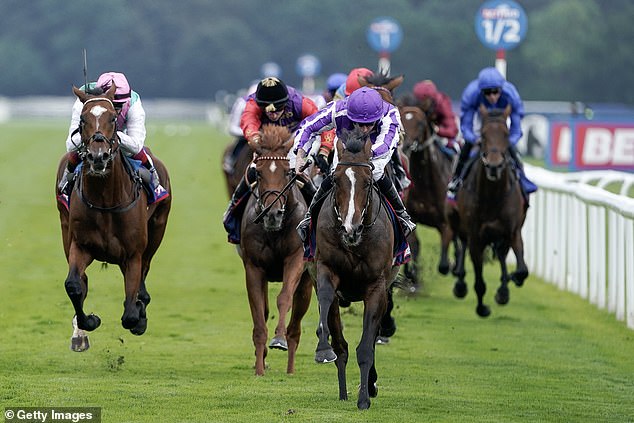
<point x="430" y="171"/>
<point x="354" y="262"/>
<point x="271" y="249"/>
<point x="242" y="161"/>
<point x="490" y="211"/>
<point x="108" y="219"/>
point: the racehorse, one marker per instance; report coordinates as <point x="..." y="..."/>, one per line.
<point x="108" y="218"/>
<point x="240" y="165"/>
<point x="272" y="250"/>
<point x="354" y="252"/>
<point x="490" y="211"/>
<point x="430" y="171"/>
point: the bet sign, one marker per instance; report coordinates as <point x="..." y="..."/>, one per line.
<point x="501" y="24"/>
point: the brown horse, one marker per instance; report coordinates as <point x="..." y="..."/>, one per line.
<point x="242" y="161"/>
<point x="490" y="211"/>
<point x="108" y="219"/>
<point x="354" y="262"/>
<point x="271" y="250"/>
<point x="430" y="171"/>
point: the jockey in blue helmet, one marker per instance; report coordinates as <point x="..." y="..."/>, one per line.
<point x="366" y="109"/>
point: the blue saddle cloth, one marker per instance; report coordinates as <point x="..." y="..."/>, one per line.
<point x="401" y="250"/>
<point x="232" y="221"/>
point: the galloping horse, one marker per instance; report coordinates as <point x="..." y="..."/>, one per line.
<point x="490" y="211"/>
<point x="430" y="170"/>
<point x="354" y="262"/>
<point x="108" y="219"/>
<point x="272" y="250"/>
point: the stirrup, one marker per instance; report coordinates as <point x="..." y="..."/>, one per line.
<point x="302" y="227"/>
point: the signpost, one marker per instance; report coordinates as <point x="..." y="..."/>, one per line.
<point x="308" y="67"/>
<point x="501" y="25"/>
<point x="384" y="36"/>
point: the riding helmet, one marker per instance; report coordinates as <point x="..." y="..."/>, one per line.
<point x="365" y="105"/>
<point x="271" y="94"/>
<point x="490" y="78"/>
<point x="352" y="82"/>
<point x="122" y="93"/>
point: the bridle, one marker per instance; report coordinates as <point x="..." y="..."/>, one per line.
<point x="281" y="195"/>
<point x="367" y="199"/>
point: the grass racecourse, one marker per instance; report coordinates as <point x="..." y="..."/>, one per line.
<point x="547" y="356"/>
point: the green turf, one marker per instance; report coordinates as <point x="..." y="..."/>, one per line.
<point x="548" y="356"/>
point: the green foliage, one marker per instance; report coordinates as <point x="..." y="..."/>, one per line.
<point x="546" y="356"/>
<point x="575" y="50"/>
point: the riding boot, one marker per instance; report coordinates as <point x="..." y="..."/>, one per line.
<point x="399" y="172"/>
<point x="230" y="161"/>
<point x="456" y="178"/>
<point x="527" y="185"/>
<point x="68" y="178"/>
<point x="387" y="188"/>
<point x="324" y="189"/>
<point x="307" y="188"/>
<point x="241" y="190"/>
<point x="160" y="193"/>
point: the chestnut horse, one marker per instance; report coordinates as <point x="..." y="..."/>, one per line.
<point x="271" y="249"/>
<point x="490" y="211"/>
<point x="354" y="252"/>
<point x="108" y="219"/>
<point x="430" y="171"/>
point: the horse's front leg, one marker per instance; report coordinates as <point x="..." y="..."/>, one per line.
<point x="76" y="286"/>
<point x="411" y="269"/>
<point x="502" y="295"/>
<point x="340" y="347"/>
<point x="257" y="291"/>
<point x="387" y="327"/>
<point x="521" y="271"/>
<point x="134" y="317"/>
<point x="374" y="308"/>
<point x="446" y="236"/>
<point x="325" y="297"/>
<point x="476" y="252"/>
<point x="293" y="269"/>
<point x="301" y="302"/>
<point x="460" y="286"/>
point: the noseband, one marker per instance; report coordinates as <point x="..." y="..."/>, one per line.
<point x="98" y="136"/>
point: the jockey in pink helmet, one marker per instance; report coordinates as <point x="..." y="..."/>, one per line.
<point x="364" y="108"/>
<point x="130" y="130"/>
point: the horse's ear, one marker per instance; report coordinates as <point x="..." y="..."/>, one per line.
<point x="395" y="82"/>
<point x="367" y="148"/>
<point x="362" y="80"/>
<point x="81" y="94"/>
<point x="507" y="111"/>
<point x="340" y="147"/>
<point x="111" y="91"/>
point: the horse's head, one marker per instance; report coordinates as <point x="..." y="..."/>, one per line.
<point x="98" y="129"/>
<point x="383" y="83"/>
<point x="353" y="184"/>
<point x="494" y="141"/>
<point x="273" y="173"/>
<point x="417" y="129"/>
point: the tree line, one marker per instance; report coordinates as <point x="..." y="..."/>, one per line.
<point x="574" y="50"/>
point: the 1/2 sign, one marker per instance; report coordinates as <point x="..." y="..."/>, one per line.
<point x="501" y="24"/>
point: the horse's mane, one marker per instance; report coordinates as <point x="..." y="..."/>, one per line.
<point x="354" y="139"/>
<point x="274" y="136"/>
<point x="496" y="114"/>
<point x="379" y="79"/>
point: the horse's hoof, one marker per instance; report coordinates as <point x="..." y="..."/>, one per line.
<point x="519" y="277"/>
<point x="278" y="343"/>
<point x="373" y="390"/>
<point x="79" y="343"/>
<point x="91" y="323"/>
<point x="363" y="404"/>
<point x="483" y="311"/>
<point x="443" y="269"/>
<point x="325" y="356"/>
<point x="140" y="328"/>
<point x="382" y="340"/>
<point x="460" y="290"/>
<point x="502" y="296"/>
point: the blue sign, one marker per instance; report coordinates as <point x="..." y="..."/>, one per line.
<point x="501" y="24"/>
<point x="384" y="35"/>
<point x="271" y="69"/>
<point x="308" y="66"/>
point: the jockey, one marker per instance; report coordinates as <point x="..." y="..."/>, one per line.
<point x="352" y="83"/>
<point x="494" y="92"/>
<point x="333" y="83"/>
<point x="130" y="130"/>
<point x="272" y="103"/>
<point x="366" y="109"/>
<point x="437" y="108"/>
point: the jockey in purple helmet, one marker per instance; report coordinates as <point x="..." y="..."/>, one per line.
<point x="494" y="92"/>
<point x="366" y="109"/>
<point x="130" y="130"/>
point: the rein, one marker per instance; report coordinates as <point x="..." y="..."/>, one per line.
<point x="368" y="197"/>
